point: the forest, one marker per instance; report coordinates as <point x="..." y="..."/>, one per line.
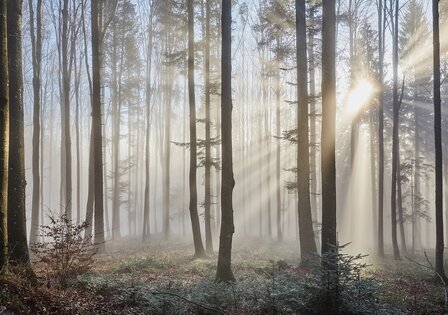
<point x="223" y="156"/>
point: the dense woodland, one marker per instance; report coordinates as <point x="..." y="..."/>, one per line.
<point x="229" y="157"/>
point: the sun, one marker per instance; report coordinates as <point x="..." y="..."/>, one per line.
<point x="359" y="96"/>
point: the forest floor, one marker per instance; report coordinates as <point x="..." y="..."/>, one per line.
<point x="163" y="278"/>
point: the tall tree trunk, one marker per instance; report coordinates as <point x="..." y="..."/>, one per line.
<point x="313" y="116"/>
<point x="116" y="113"/>
<point x="36" y="48"/>
<point x="67" y="203"/>
<point x="438" y="142"/>
<point x="278" y="184"/>
<point x="395" y="139"/>
<point x="224" y="268"/>
<point x="197" y="238"/>
<point x="96" y="7"/>
<point x="328" y="161"/>
<point x="146" y="218"/>
<point x="4" y="136"/>
<point x="208" y="161"/>
<point x="328" y="154"/>
<point x="381" y="130"/>
<point x="307" y="243"/>
<point x="77" y="69"/>
<point x="18" y="248"/>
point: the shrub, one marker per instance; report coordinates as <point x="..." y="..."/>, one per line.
<point x="65" y="251"/>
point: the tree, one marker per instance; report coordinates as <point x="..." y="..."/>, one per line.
<point x="307" y="243"/>
<point x="36" y="48"/>
<point x="17" y="243"/>
<point x="395" y="130"/>
<point x="328" y="161"/>
<point x="439" y="268"/>
<point x="381" y="29"/>
<point x="224" y="268"/>
<point x="4" y="136"/>
<point x="208" y="160"/>
<point x="96" y="8"/>
<point x="67" y="152"/>
<point x="146" y="226"/>
<point x="198" y="246"/>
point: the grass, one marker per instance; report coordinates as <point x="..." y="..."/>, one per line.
<point x="163" y="278"/>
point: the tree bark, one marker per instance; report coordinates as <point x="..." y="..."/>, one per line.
<point x="36" y="48"/>
<point x="146" y="217"/>
<point x="18" y="248"/>
<point x="395" y="139"/>
<point x="96" y="7"/>
<point x="328" y="140"/>
<point x="67" y="202"/>
<point x="307" y="243"/>
<point x="381" y="130"/>
<point x="197" y="238"/>
<point x="224" y="269"/>
<point x="4" y="136"/>
<point x="438" y="142"/>
<point x="208" y="161"/>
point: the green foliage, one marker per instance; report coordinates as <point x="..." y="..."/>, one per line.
<point x="340" y="284"/>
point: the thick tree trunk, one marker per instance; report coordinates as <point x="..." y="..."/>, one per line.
<point x="18" y="248"/>
<point x="4" y="136"/>
<point x="328" y="161"/>
<point x="313" y="118"/>
<point x="197" y="238"/>
<point x="224" y="269"/>
<point x="307" y="243"/>
<point x="438" y="142"/>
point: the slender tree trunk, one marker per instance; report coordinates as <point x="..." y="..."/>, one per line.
<point x="278" y="184"/>
<point x="4" y="136"/>
<point x="36" y="48"/>
<point x="381" y="130"/>
<point x="400" y="207"/>
<point x="198" y="246"/>
<point x="146" y="217"/>
<point x="18" y="248"/>
<point x="96" y="7"/>
<point x="66" y="103"/>
<point x="307" y="243"/>
<point x="395" y="139"/>
<point x="438" y="142"/>
<point x="78" y="140"/>
<point x="91" y="191"/>
<point x="224" y="269"/>
<point x="208" y="161"/>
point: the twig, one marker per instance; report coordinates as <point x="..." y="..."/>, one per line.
<point x="208" y="308"/>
